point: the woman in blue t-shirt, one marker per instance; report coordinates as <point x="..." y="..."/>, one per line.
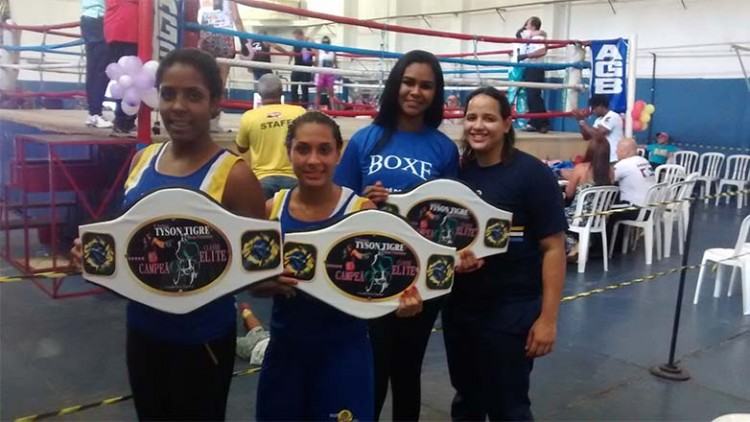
<point x="318" y="365"/>
<point x="502" y="312"/>
<point x="399" y="150"/>
<point x="180" y="366"/>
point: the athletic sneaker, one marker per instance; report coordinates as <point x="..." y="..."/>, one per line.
<point x="97" y="121"/>
<point x="118" y="132"/>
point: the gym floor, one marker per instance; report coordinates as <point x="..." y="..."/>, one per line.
<point x="60" y="353"/>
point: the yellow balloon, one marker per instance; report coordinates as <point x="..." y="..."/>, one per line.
<point x="645" y="117"/>
<point x="650" y="109"/>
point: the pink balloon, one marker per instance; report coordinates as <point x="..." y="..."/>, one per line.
<point x="113" y="71"/>
<point x="635" y="114"/>
<point x="131" y="97"/>
<point x="125" y="81"/>
<point x="637" y="125"/>
<point x="143" y="81"/>
<point x="130" y="65"/>
<point x="639" y="105"/>
<point x="116" y="90"/>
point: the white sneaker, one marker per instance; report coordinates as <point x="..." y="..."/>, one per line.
<point x="98" y="122"/>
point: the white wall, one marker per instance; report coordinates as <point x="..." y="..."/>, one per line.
<point x="658" y="24"/>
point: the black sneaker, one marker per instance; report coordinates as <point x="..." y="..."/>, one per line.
<point x="119" y="132"/>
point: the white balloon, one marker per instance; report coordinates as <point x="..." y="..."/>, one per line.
<point x="115" y="90"/>
<point x="129" y="109"/>
<point x="131" y="65"/>
<point x="131" y="96"/>
<point x="151" y="98"/>
<point x="151" y="67"/>
<point x="125" y="81"/>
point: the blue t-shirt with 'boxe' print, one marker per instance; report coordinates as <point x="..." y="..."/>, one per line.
<point x="408" y="159"/>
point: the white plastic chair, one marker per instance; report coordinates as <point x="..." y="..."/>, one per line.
<point x="735" y="258"/>
<point x="644" y="221"/>
<point x="687" y="159"/>
<point x="710" y="169"/>
<point x="737" y="174"/>
<point x="680" y="191"/>
<point x="592" y="200"/>
<point x="670" y="173"/>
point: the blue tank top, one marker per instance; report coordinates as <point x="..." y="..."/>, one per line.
<point x="303" y="317"/>
<point x="214" y="320"/>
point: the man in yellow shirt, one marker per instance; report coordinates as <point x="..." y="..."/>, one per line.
<point x="263" y="132"/>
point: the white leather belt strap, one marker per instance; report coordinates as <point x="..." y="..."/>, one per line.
<point x="363" y="263"/>
<point x="177" y="250"/>
<point x="450" y="213"/>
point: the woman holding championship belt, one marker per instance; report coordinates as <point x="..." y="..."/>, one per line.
<point x="399" y="150"/>
<point x="318" y="364"/>
<point x="502" y="312"/>
<point x="180" y="366"/>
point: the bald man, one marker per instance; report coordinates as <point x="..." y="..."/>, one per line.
<point x="263" y="132"/>
<point x="633" y="173"/>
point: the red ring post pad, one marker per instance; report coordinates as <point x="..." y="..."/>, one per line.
<point x="452" y="214"/>
<point x="177" y="250"/>
<point x="364" y="262"/>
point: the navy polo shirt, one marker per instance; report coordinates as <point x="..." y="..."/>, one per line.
<point x="526" y="187"/>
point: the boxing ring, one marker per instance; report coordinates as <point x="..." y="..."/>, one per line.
<point x="361" y="71"/>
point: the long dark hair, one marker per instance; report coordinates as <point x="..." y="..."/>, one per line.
<point x="503" y="106"/>
<point x="597" y="155"/>
<point x="387" y="116"/>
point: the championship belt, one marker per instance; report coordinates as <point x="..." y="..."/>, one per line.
<point x="363" y="263"/>
<point x="450" y="213"/>
<point x="177" y="249"/>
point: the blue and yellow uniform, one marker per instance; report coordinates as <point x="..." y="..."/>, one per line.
<point x="318" y="365"/>
<point x="180" y="365"/>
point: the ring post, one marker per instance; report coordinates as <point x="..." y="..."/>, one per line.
<point x="632" y="56"/>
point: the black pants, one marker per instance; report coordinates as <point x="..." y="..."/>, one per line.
<point x="301" y="77"/>
<point x="486" y="358"/>
<point x="116" y="50"/>
<point x="97" y="59"/>
<point x="398" y="349"/>
<point x="534" y="97"/>
<point x="180" y="382"/>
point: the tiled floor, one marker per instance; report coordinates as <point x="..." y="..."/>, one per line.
<point x="58" y="353"/>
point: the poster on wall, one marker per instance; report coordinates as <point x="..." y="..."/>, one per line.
<point x="176" y="250"/>
<point x="452" y="214"/>
<point x="609" y="71"/>
<point x="363" y="263"/>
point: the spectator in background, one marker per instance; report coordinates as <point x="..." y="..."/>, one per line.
<point x="661" y="151"/>
<point x="608" y="124"/>
<point x="97" y="59"/>
<point x="225" y="15"/>
<point x="121" y="34"/>
<point x="534" y="54"/>
<point x="302" y="57"/>
<point x="324" y="81"/>
<point x="633" y="173"/>
<point x="263" y="133"/>
<point x="452" y="102"/>
<point x="260" y="51"/>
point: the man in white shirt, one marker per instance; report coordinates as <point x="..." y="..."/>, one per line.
<point x="633" y="173"/>
<point x="608" y="124"/>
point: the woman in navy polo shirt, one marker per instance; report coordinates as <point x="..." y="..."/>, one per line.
<point x="399" y="150"/>
<point x="502" y="312"/>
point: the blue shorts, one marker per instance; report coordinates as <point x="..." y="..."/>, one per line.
<point x="317" y="380"/>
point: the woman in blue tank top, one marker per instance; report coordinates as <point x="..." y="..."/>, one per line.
<point x="180" y="366"/>
<point x="318" y="365"/>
